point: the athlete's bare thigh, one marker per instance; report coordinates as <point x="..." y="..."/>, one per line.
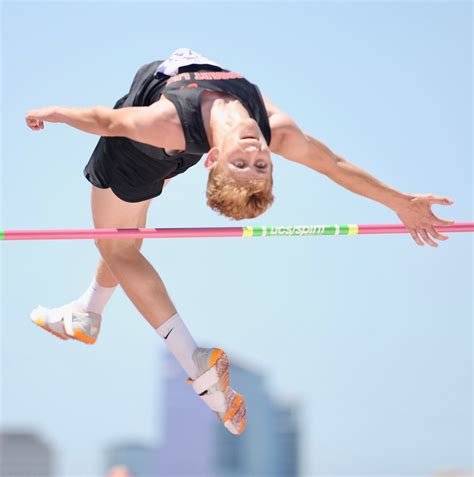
<point x="109" y="211"/>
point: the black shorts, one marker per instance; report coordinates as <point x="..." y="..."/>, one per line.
<point x="134" y="171"/>
<point x="132" y="175"/>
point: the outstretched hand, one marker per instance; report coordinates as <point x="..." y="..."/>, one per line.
<point x="419" y="219"/>
<point x="36" y="118"/>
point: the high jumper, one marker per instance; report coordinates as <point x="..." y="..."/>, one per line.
<point x="176" y="111"/>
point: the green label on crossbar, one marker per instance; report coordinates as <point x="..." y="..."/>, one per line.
<point x="295" y="230"/>
<point x="2" y="234"/>
<point x="300" y="230"/>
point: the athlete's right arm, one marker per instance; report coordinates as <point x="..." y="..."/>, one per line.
<point x="149" y="124"/>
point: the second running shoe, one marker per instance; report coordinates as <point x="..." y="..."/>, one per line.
<point x="213" y="387"/>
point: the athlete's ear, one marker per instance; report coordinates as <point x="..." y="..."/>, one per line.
<point x="211" y="158"/>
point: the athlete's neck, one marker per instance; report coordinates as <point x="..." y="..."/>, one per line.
<point x="221" y="113"/>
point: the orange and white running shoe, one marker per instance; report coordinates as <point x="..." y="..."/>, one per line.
<point x="213" y="387"/>
<point x="68" y="321"/>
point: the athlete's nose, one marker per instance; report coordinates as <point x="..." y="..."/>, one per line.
<point x="253" y="148"/>
<point x="251" y="145"/>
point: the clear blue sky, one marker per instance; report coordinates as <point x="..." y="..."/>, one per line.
<point x="372" y="333"/>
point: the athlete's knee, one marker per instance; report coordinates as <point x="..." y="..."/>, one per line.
<point x="114" y="247"/>
<point x="112" y="250"/>
<point x="139" y="243"/>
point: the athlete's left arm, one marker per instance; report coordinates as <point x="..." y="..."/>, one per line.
<point x="414" y="210"/>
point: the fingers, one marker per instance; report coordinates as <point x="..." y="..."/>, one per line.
<point x="423" y="221"/>
<point x="34" y="123"/>
<point x="441" y="200"/>
<point x="442" y="221"/>
<point x="436" y="234"/>
<point x="416" y="237"/>
<point x="38" y="126"/>
<point x="428" y="234"/>
<point x="32" y="120"/>
<point x="427" y="238"/>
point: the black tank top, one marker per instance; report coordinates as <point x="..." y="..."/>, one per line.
<point x="184" y="91"/>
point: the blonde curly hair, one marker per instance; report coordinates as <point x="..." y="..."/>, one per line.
<point x="245" y="200"/>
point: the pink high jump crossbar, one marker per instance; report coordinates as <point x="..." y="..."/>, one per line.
<point x="201" y="232"/>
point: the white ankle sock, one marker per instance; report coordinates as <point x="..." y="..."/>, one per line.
<point x="179" y="341"/>
<point x="96" y="297"/>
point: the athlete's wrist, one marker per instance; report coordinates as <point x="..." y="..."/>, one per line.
<point x="60" y="114"/>
<point x="398" y="200"/>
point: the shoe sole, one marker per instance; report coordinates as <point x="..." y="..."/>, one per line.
<point x="83" y="338"/>
<point x="78" y="335"/>
<point x="41" y="324"/>
<point x="234" y="418"/>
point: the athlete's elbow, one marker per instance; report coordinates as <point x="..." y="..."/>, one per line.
<point x="329" y="164"/>
<point x="338" y="160"/>
<point x="105" y="120"/>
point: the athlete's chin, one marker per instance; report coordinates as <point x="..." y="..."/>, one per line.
<point x="248" y="128"/>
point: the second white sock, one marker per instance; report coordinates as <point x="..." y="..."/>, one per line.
<point x="179" y="341"/>
<point x="96" y="297"/>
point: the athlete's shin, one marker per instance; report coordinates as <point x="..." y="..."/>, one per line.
<point x="104" y="275"/>
<point x="139" y="280"/>
<point x="180" y="343"/>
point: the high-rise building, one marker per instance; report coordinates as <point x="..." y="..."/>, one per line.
<point x="287" y="440"/>
<point x="138" y="458"/>
<point x="196" y="443"/>
<point x="25" y="454"/>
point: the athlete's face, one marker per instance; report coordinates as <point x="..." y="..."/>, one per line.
<point x="244" y="153"/>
